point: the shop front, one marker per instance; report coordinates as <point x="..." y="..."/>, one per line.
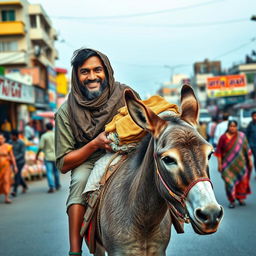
<point x="15" y="101"/>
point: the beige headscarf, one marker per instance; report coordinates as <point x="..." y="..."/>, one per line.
<point x="89" y="117"/>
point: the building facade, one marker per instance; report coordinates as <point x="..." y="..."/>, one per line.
<point x="26" y="50"/>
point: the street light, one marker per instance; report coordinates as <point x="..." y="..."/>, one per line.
<point x="172" y="68"/>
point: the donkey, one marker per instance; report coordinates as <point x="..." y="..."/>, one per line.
<point x="168" y="172"/>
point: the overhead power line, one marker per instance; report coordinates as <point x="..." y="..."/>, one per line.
<point x="252" y="40"/>
<point x="142" y="14"/>
<point x="201" y="24"/>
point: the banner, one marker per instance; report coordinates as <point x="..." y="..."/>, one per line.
<point x="11" y="90"/>
<point x="224" y="86"/>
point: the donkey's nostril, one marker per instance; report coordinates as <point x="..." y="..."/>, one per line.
<point x="221" y="213"/>
<point x="201" y="215"/>
<point x="209" y="215"/>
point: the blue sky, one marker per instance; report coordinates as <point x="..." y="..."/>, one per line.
<point x="141" y="37"/>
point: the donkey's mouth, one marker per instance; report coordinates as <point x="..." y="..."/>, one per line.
<point x="203" y="229"/>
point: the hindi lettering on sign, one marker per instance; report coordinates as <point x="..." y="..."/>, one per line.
<point x="14" y="91"/>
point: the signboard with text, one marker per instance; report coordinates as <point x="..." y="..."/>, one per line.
<point x="224" y="86"/>
<point x="52" y="93"/>
<point x="11" y="90"/>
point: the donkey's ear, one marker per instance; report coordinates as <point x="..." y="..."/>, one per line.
<point x="189" y="105"/>
<point x="142" y="115"/>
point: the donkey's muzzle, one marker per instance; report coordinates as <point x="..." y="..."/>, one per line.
<point x="208" y="219"/>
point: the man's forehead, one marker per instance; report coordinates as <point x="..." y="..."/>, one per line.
<point x="93" y="61"/>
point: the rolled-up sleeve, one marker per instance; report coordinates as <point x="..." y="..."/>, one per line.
<point x="64" y="139"/>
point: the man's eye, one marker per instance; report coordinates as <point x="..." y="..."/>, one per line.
<point x="83" y="72"/>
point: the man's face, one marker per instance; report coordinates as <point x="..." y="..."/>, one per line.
<point x="92" y="77"/>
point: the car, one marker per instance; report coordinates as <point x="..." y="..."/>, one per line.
<point x="244" y="117"/>
<point x="204" y="116"/>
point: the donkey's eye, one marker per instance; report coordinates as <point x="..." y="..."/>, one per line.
<point x="169" y="160"/>
<point x="210" y="155"/>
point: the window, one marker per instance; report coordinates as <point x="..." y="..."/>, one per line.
<point x="203" y="69"/>
<point x="8" y="15"/>
<point x="33" y="21"/>
<point x="8" y="46"/>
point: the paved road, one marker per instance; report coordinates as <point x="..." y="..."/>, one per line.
<point x="36" y="224"/>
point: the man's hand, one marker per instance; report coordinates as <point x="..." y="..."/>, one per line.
<point x="101" y="141"/>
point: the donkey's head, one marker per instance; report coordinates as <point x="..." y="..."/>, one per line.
<point x="181" y="160"/>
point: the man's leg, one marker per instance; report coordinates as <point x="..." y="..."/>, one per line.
<point x="75" y="219"/>
<point x="56" y="176"/>
<point x="21" y="180"/>
<point x="76" y="203"/>
<point x="16" y="183"/>
<point x="49" y="175"/>
<point x="254" y="157"/>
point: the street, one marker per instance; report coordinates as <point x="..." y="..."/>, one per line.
<point x="36" y="224"/>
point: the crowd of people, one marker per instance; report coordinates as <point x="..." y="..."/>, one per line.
<point x="13" y="158"/>
<point x="234" y="151"/>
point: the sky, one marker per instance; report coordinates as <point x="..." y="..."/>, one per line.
<point x="147" y="41"/>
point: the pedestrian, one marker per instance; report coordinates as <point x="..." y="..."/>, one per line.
<point x="19" y="150"/>
<point x="7" y="164"/>
<point x="211" y="129"/>
<point x="80" y="139"/>
<point x="46" y="145"/>
<point x="220" y="128"/>
<point x="29" y="132"/>
<point x="234" y="163"/>
<point x="251" y="136"/>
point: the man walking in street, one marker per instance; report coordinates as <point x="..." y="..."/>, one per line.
<point x="221" y="128"/>
<point x="46" y="145"/>
<point x="19" y="150"/>
<point x="251" y="136"/>
<point x="80" y="139"/>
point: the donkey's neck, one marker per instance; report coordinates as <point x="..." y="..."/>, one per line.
<point x="147" y="206"/>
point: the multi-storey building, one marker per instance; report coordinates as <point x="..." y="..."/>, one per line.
<point x="203" y="70"/>
<point x="27" y="47"/>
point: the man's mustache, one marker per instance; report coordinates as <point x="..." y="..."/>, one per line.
<point x="98" y="80"/>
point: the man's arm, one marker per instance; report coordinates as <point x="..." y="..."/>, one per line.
<point x="78" y="156"/>
<point x="248" y="131"/>
<point x="40" y="147"/>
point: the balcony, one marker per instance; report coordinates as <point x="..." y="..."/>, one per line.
<point x="8" y="28"/>
<point x="16" y="57"/>
<point x="11" y="3"/>
<point x="39" y="35"/>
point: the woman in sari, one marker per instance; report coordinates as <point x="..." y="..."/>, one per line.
<point x="235" y="164"/>
<point x="6" y="160"/>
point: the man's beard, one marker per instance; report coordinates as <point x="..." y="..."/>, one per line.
<point x="90" y="95"/>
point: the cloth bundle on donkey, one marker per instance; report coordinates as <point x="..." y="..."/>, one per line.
<point x="127" y="131"/>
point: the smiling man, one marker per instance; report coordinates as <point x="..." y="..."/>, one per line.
<point x="80" y="139"/>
